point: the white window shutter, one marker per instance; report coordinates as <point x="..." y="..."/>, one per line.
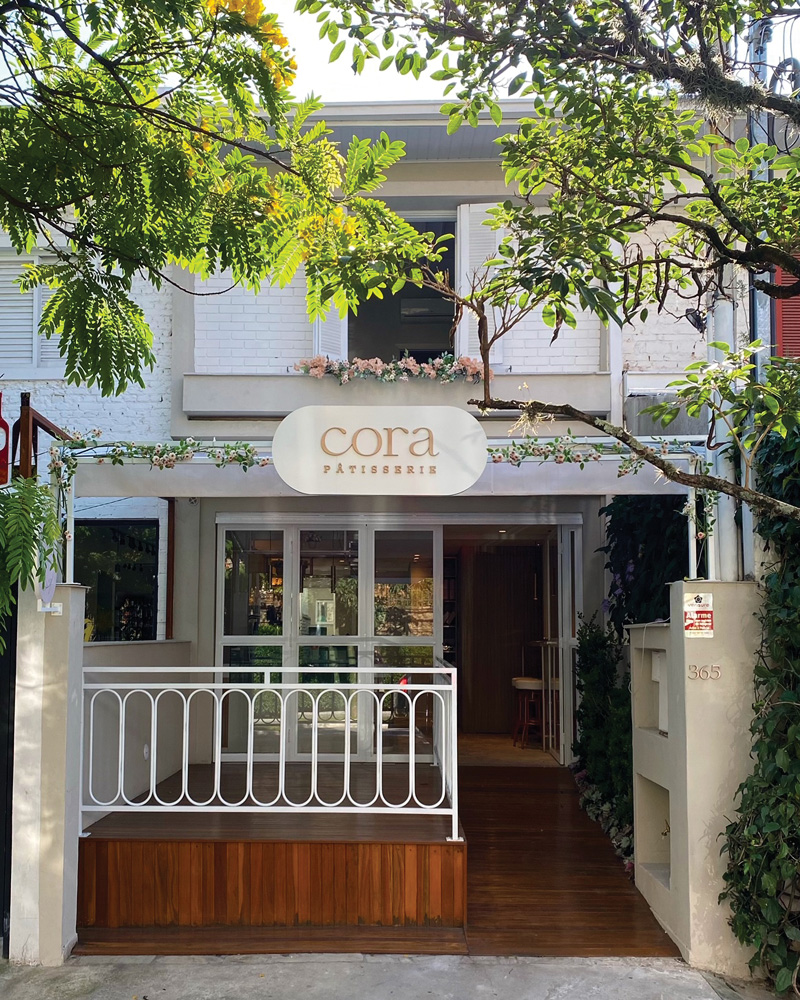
<point x="48" y="349"/>
<point x="17" y="318"/>
<point x="330" y="336"/>
<point x="476" y="243"/>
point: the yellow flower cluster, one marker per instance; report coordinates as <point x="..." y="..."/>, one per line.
<point x="317" y="228"/>
<point x="273" y="34"/>
<point x="282" y="76"/>
<point x="251" y="10"/>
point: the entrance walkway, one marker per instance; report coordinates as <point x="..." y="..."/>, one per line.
<point x="543" y="878"/>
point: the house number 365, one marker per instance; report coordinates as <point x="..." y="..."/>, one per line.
<point x="707" y="672"/>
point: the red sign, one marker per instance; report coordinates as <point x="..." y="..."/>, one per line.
<point x="5" y="447"/>
<point x="698" y="615"/>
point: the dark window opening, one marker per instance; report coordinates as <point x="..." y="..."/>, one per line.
<point x="414" y="320"/>
<point x="118" y="562"/>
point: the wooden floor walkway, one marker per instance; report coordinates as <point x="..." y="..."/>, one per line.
<point x="542" y="878"/>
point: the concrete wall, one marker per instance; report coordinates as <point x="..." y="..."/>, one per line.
<point x="142" y="744"/>
<point x="45" y="817"/>
<point x="690" y="753"/>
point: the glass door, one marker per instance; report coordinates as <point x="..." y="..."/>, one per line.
<point x="571" y="602"/>
<point x="407" y="617"/>
<point x="563" y="605"/>
<point x="310" y="606"/>
<point x="327" y="596"/>
<point x="252" y="599"/>
<point x="551" y="660"/>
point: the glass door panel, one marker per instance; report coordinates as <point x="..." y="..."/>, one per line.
<point x="551" y="652"/>
<point x="256" y="665"/>
<point x="407" y="719"/>
<point x="337" y="710"/>
<point x="328" y="583"/>
<point x="399" y="707"/>
<point x="403" y="588"/>
<point x="572" y="606"/>
<point x="253" y="591"/>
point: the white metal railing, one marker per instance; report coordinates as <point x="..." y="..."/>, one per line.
<point x="145" y="729"/>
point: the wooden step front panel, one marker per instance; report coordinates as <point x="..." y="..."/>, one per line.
<point x="151" y="883"/>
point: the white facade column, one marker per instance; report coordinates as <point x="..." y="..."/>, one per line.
<point x="692" y="693"/>
<point x="47" y="755"/>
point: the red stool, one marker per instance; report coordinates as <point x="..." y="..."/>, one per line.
<point x="530" y="703"/>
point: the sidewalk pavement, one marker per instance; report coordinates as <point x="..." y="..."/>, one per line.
<point x="352" y="977"/>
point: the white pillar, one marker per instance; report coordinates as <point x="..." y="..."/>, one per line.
<point x="47" y="752"/>
<point x="689" y="761"/>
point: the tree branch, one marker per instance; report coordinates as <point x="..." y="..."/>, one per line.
<point x="758" y="502"/>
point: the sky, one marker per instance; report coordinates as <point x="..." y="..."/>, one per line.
<point x="336" y="81"/>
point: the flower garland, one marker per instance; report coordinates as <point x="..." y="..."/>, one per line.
<point x="445" y="368"/>
<point x="64" y="456"/>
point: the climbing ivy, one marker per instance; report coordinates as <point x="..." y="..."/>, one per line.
<point x="763" y="841"/>
<point x="603" y="747"/>
<point x="646" y="549"/>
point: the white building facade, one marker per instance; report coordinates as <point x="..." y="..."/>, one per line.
<point x="236" y="578"/>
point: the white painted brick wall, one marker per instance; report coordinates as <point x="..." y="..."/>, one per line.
<point x="667" y="341"/>
<point x="664" y="343"/>
<point x="239" y="331"/>
<point x="139" y="414"/>
<point x="527" y="347"/>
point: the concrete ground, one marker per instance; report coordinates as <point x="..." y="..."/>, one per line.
<point x="347" y="977"/>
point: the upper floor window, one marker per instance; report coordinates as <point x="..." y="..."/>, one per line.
<point x="23" y="353"/>
<point x="414" y="320"/>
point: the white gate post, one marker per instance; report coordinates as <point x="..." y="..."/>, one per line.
<point x="47" y="762"/>
<point x="692" y="692"/>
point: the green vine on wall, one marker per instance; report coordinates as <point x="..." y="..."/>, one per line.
<point x="763" y="841"/>
<point x="646" y="549"/>
<point x="604" y="744"/>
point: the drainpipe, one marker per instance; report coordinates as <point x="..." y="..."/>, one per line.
<point x="726" y="551"/>
<point x="761" y="307"/>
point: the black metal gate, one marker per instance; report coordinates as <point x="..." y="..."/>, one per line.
<point x="8" y="677"/>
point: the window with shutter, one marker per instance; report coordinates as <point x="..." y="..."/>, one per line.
<point x="477" y="243"/>
<point x="16" y="319"/>
<point x="330" y="336"/>
<point x="23" y="353"/>
<point x="48" y="349"/>
<point x="787" y="321"/>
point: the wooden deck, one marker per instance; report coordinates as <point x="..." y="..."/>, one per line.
<point x="297" y="826"/>
<point x="542" y="880"/>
